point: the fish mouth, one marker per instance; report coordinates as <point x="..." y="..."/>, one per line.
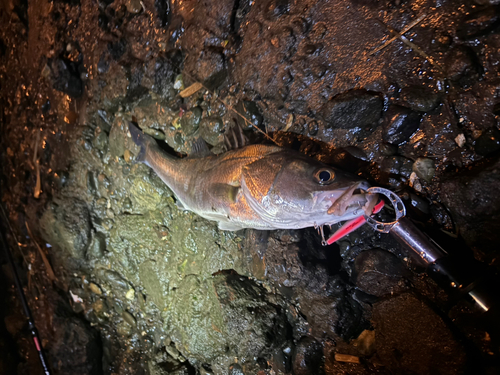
<point x="354" y="199"/>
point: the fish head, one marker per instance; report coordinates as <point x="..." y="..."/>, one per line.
<point x="289" y="190"/>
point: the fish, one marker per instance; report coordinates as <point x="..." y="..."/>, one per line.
<point x="262" y="187"/>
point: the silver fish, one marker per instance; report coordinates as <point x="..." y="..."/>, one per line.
<point x="258" y="186"/>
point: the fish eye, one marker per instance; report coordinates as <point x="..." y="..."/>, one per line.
<point x="325" y="176"/>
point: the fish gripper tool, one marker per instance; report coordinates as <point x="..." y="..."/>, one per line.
<point x="461" y="274"/>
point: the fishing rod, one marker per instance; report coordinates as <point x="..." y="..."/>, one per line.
<point x="31" y="323"/>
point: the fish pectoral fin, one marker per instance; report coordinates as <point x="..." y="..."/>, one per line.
<point x="224" y="225"/>
<point x="224" y="192"/>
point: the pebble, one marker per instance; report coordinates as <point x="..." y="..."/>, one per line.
<point x="424" y="168"/>
<point x="128" y="156"/>
<point x="179" y="83"/>
<point x="155" y="133"/>
<point x="312" y="128"/>
<point x="419" y="98"/>
<point x="488" y="142"/>
<point x="399" y="124"/>
<point x="95" y="288"/>
<point x="133" y="6"/>
<point x="211" y="129"/>
<point x="130" y="294"/>
<point x="129" y="318"/>
<point x="460" y="140"/>
<point x="190" y="121"/>
<point x="352" y="109"/>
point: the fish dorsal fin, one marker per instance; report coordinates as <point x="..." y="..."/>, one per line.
<point x="199" y="149"/>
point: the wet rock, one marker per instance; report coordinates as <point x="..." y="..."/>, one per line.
<point x="117" y="136"/>
<point x="463" y="66"/>
<point x="472" y="198"/>
<point x="190" y="121"/>
<point x="276" y="9"/>
<point x="235" y="369"/>
<point x="378" y="272"/>
<point x="399" y="124"/>
<point x="424" y="168"/>
<point x="211" y="69"/>
<point x="398" y="165"/>
<point x="419" y="98"/>
<point x="312" y="128"/>
<point x="251" y="112"/>
<point x="133" y="6"/>
<point x="155" y="133"/>
<point x="117" y="49"/>
<point x="252" y="323"/>
<point x="66" y="77"/>
<point x="165" y="73"/>
<point x="488" y="143"/>
<point x="328" y="308"/>
<point x="479" y="23"/>
<point x="211" y="129"/>
<point x="76" y="346"/>
<point x="433" y="347"/>
<point x="103" y="64"/>
<point x="113" y="278"/>
<point x="307" y="357"/>
<point x="318" y="32"/>
<point x="97" y="247"/>
<point x="355" y="108"/>
<point x="66" y="226"/>
<point x="442" y="217"/>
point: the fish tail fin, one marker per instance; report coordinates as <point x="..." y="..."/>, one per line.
<point x="140" y="139"/>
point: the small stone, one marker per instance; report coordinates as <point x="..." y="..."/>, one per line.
<point x="129" y="318"/>
<point x="399" y="124"/>
<point x="155" y="133"/>
<point x="460" y="140"/>
<point x="179" y="83"/>
<point x="101" y="141"/>
<point x="133" y="6"/>
<point x="419" y="98"/>
<point x="488" y="143"/>
<point x="130" y="294"/>
<point x="128" y="156"/>
<point x="414" y="182"/>
<point x="352" y="109"/>
<point x="424" y="168"/>
<point x="190" y="121"/>
<point x="95" y="288"/>
<point x="211" y="129"/>
<point x="312" y="128"/>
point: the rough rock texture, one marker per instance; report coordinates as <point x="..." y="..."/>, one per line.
<point x="143" y="287"/>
